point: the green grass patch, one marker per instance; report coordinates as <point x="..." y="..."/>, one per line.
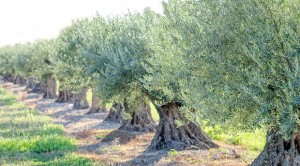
<point x="38" y="144"/>
<point x="89" y="96"/>
<point x="154" y="112"/>
<point x="253" y="141"/>
<point x="29" y="138"/>
<point x="6" y="99"/>
<point x="68" y="160"/>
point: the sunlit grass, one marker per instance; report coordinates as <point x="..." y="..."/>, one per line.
<point x="154" y="113"/>
<point x="89" y="96"/>
<point x="253" y="141"/>
<point x="28" y="138"/>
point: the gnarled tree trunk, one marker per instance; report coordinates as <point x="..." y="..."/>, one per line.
<point x="11" y="78"/>
<point x="64" y="96"/>
<point x="5" y="77"/>
<point x="279" y="152"/>
<point x="49" y="88"/>
<point x="22" y="81"/>
<point x="95" y="107"/>
<point x="38" y="87"/>
<point x="79" y="100"/>
<point x="30" y="84"/>
<point x="169" y="136"/>
<point x="17" y="80"/>
<point x="115" y="113"/>
<point x="140" y="119"/>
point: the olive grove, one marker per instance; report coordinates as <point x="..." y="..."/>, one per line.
<point x="223" y="61"/>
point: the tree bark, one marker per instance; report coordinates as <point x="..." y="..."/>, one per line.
<point x="6" y="77"/>
<point x="115" y="113"/>
<point x="22" y="81"/>
<point x="30" y="84"/>
<point x="279" y="152"/>
<point x="140" y="119"/>
<point x="17" y="80"/>
<point x="64" y="96"/>
<point x="95" y="107"/>
<point x="49" y="88"/>
<point x="11" y="78"/>
<point x="38" y="87"/>
<point x="80" y="101"/>
<point x="169" y="136"/>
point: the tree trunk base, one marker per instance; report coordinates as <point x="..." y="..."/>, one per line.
<point x="115" y="113"/>
<point x="17" y="80"/>
<point x="5" y="77"/>
<point x="37" y="88"/>
<point x="78" y="106"/>
<point x="64" y="96"/>
<point x="30" y="84"/>
<point x="12" y="78"/>
<point x="95" y="107"/>
<point x="278" y="152"/>
<point x="80" y="101"/>
<point x="140" y="121"/>
<point x="49" y="88"/>
<point x="169" y="136"/>
<point x="94" y="110"/>
<point x="22" y="81"/>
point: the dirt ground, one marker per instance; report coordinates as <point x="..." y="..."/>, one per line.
<point x="101" y="141"/>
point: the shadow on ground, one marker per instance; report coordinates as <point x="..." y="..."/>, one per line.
<point x="121" y="136"/>
<point x="146" y="158"/>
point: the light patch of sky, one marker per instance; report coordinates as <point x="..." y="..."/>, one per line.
<point x="28" y="20"/>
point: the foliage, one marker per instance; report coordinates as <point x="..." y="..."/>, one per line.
<point x="172" y="152"/>
<point x="69" y="64"/>
<point x="256" y="44"/>
<point x="28" y="59"/>
<point x="120" y="56"/>
<point x="41" y="61"/>
<point x="166" y="67"/>
<point x="228" y="59"/>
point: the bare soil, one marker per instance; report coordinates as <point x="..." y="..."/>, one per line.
<point x="101" y="141"/>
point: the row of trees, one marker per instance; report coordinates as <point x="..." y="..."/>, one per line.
<point x="218" y="60"/>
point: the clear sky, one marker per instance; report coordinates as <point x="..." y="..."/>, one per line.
<point x="27" y="20"/>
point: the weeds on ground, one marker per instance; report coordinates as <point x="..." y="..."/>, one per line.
<point x="28" y="138"/>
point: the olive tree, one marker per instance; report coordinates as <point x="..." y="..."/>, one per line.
<point x="27" y="61"/>
<point x="172" y="69"/>
<point x="6" y="61"/>
<point x="119" y="51"/>
<point x="70" y="65"/>
<point x="250" y="51"/>
<point x="94" y="38"/>
<point x="42" y="67"/>
<point x="25" y="65"/>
